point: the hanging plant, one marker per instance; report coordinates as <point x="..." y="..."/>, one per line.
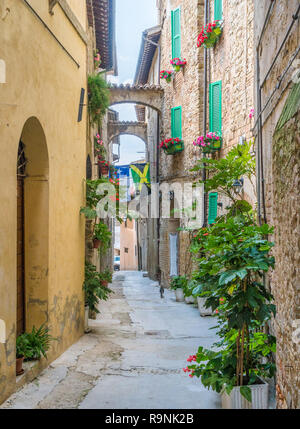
<point x="172" y="145"/>
<point x="166" y="74"/>
<point x="212" y="142"/>
<point x="177" y="64"/>
<point x="210" y="34"/>
<point x="104" y="166"/>
<point x="98" y="97"/>
<point x="99" y="146"/>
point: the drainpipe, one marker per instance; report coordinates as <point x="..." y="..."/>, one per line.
<point x="205" y="195"/>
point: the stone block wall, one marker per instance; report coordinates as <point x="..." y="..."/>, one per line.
<point x="281" y="185"/>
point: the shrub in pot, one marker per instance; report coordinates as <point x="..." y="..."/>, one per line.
<point x="98" y="97"/>
<point x="93" y="288"/>
<point x="102" y="237"/>
<point x="188" y="292"/>
<point x="106" y="277"/>
<point x="178" y="284"/>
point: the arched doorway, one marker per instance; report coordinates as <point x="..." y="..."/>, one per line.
<point x="33" y="227"/>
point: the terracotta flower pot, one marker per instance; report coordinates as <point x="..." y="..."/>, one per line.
<point x="104" y="283"/>
<point x="96" y="243"/>
<point x="19" y="365"/>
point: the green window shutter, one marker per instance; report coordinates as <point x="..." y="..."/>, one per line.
<point x="176" y="118"/>
<point x="215" y="107"/>
<point x="212" y="207"/>
<point x="176" y="33"/>
<point x="218" y="16"/>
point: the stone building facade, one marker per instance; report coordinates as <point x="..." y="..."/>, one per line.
<point x="185" y="92"/>
<point x="277" y="90"/>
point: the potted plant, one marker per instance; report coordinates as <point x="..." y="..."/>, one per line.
<point x="233" y="260"/>
<point x="178" y="64"/>
<point x="104" y="166"/>
<point x="21" y="349"/>
<point x="167" y="75"/>
<point x="102" y="237"/>
<point x="105" y="277"/>
<point x="97" y="59"/>
<point x="188" y="292"/>
<point x="99" y="147"/>
<point x="32" y="345"/>
<point x="93" y="289"/>
<point x="210" y="143"/>
<point x="98" y="97"/>
<point x="172" y="146"/>
<point x="178" y="283"/>
<point x="199" y="293"/>
<point x="210" y="34"/>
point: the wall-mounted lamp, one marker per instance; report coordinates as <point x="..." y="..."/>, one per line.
<point x="238" y="186"/>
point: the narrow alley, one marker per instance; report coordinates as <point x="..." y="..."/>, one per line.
<point x="133" y="358"/>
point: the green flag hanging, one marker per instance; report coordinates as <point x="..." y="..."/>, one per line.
<point x="141" y="174"/>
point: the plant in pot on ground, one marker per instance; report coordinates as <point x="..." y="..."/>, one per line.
<point x="106" y="277"/>
<point x="232" y="263"/>
<point x="178" y="284"/>
<point x="33" y="345"/>
<point x="93" y="288"/>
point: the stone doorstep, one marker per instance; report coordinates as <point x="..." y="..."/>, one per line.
<point x="31" y="370"/>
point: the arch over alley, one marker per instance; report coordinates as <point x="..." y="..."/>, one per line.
<point x="118" y="128"/>
<point x="145" y="95"/>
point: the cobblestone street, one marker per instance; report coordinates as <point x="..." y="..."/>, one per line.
<point x="133" y="358"/>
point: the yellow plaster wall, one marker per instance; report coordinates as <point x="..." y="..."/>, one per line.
<point x="43" y="82"/>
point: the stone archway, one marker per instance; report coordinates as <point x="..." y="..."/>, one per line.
<point x="137" y="129"/>
<point x="34" y="212"/>
<point x="145" y="95"/>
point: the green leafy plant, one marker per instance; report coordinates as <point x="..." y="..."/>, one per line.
<point x="232" y="257"/>
<point x="93" y="288"/>
<point x="98" y="97"/>
<point x="34" y="344"/>
<point x="178" y="282"/>
<point x="106" y="276"/>
<point x="103" y="234"/>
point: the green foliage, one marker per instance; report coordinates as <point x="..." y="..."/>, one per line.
<point x="94" y="290"/>
<point x="233" y="257"/>
<point x="178" y="282"/>
<point x="225" y="171"/>
<point x="103" y="234"/>
<point x="106" y="276"/>
<point x="98" y="97"/>
<point x="34" y="344"/>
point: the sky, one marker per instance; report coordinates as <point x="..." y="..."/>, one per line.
<point x="132" y="18"/>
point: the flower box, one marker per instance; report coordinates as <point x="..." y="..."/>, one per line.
<point x="167" y="75"/>
<point x="259" y="396"/>
<point x="172" y="146"/>
<point x="210" y="143"/>
<point x="210" y="34"/>
<point x="177" y="64"/>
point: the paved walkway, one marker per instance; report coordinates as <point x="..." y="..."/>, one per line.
<point x="133" y="358"/>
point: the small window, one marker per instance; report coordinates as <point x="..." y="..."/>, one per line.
<point x="126" y="249"/>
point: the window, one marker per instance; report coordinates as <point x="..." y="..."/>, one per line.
<point x="176" y="33"/>
<point x="173" y="245"/>
<point x="126" y="249"/>
<point x="212" y="207"/>
<point x="176" y="118"/>
<point x="218" y="16"/>
<point x="215" y="107"/>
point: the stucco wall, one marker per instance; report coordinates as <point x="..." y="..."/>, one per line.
<point x="43" y="82"/>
